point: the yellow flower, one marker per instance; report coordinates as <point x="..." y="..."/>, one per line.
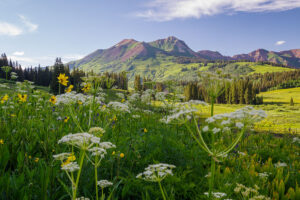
<point x="66" y="119"/>
<point x="145" y="130"/>
<point x="1" y="141"/>
<point x="13" y="115"/>
<point x="86" y="87"/>
<point x="29" y="157"/>
<point x="70" y="88"/>
<point x="4" y="98"/>
<point x="113" y="153"/>
<point x="36" y="160"/>
<point x="22" y="97"/>
<point x="123" y="100"/>
<point x="52" y="99"/>
<point x="122" y="155"/>
<point x="63" y="79"/>
<point x="71" y="158"/>
<point x="65" y="163"/>
<point x="79" y="102"/>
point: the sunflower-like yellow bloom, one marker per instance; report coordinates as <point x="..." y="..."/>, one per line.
<point x="70" y="88"/>
<point x="66" y="119"/>
<point x="22" y="97"/>
<point x="63" y="79"/>
<point x="5" y="98"/>
<point x="86" y="87"/>
<point x="52" y="99"/>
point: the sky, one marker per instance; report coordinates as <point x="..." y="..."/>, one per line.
<point x="37" y="31"/>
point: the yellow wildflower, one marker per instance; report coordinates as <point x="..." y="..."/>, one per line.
<point x="65" y="163"/>
<point x="86" y="87"/>
<point x="63" y="79"/>
<point x="1" y="141"/>
<point x="36" y="160"/>
<point x="79" y="102"/>
<point x="29" y="157"/>
<point x="113" y="153"/>
<point x="122" y="155"/>
<point x="70" y="88"/>
<point x="52" y="99"/>
<point x="4" y="98"/>
<point x="22" y="97"/>
<point x="66" y="119"/>
<point x="13" y="115"/>
<point x="71" y="158"/>
<point x="145" y="130"/>
<point x="123" y="100"/>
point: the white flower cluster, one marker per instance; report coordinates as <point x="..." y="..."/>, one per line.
<point x="280" y="164"/>
<point x="117" y="106"/>
<point x="217" y="195"/>
<point x="160" y="96"/>
<point x="80" y="140"/>
<point x="101" y="149"/>
<point x="70" y="167"/>
<point x="156" y="172"/>
<point x="73" y="97"/>
<point x="180" y="115"/>
<point x="61" y="156"/>
<point x="134" y="97"/>
<point x="82" y="198"/>
<point x="248" y="192"/>
<point x="104" y="183"/>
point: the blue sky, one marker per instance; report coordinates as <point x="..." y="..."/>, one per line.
<point x="37" y="31"/>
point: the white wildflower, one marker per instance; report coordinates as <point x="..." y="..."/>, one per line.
<point x="205" y="129"/>
<point x="80" y="140"/>
<point x="104" y="183"/>
<point x="117" y="106"/>
<point x="156" y="172"/>
<point x="70" y="167"/>
<point x="216" y="130"/>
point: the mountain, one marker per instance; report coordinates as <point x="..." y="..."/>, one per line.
<point x="171" y="58"/>
<point x="289" y="58"/>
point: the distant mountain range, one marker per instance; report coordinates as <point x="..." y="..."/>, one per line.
<point x="160" y="56"/>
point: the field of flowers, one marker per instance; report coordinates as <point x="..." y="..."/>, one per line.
<point x="92" y="145"/>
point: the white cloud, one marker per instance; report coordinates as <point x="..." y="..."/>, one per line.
<point x="9" y="29"/>
<point x="281" y="42"/>
<point x="18" y="53"/>
<point x="165" y="10"/>
<point x="31" y="27"/>
<point x="27" y="61"/>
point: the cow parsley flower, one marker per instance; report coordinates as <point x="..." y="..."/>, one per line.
<point x="70" y="167"/>
<point x="104" y="183"/>
<point x="117" y="106"/>
<point x="156" y="172"/>
<point x="80" y="140"/>
<point x="61" y="156"/>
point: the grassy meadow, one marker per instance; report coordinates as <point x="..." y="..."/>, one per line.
<point x="35" y="129"/>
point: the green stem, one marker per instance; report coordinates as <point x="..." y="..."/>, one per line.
<point x="96" y="176"/>
<point x="162" y="191"/>
<point x="78" y="175"/>
<point x="212" y="174"/>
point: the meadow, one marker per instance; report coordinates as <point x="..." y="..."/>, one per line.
<point x="39" y="159"/>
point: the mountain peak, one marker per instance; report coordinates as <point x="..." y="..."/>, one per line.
<point x="126" y="41"/>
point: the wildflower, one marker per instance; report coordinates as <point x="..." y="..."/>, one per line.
<point x="279" y="164"/>
<point x="216" y="130"/>
<point x="79" y="102"/>
<point x="22" y="97"/>
<point x="123" y="100"/>
<point x="104" y="183"/>
<point x="80" y="140"/>
<point x="69" y="89"/>
<point x="70" y="167"/>
<point x="66" y="119"/>
<point x="136" y="116"/>
<point x="4" y="98"/>
<point x="117" y="106"/>
<point x="86" y="88"/>
<point x="61" y="156"/>
<point x="113" y="153"/>
<point x="97" y="151"/>
<point x="63" y="79"/>
<point x="121" y="95"/>
<point x="1" y="141"/>
<point x="145" y="130"/>
<point x="156" y="172"/>
<point x="29" y="157"/>
<point x="205" y="129"/>
<point x="36" y="160"/>
<point x="217" y="195"/>
<point x="122" y="155"/>
<point x="13" y="115"/>
<point x="239" y="125"/>
<point x="52" y="99"/>
<point x="98" y="131"/>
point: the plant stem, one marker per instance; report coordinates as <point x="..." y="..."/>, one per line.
<point x="96" y="176"/>
<point x="78" y="175"/>
<point x="213" y="164"/>
<point x="162" y="191"/>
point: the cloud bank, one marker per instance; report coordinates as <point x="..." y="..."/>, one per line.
<point x="166" y="10"/>
<point x="15" y="29"/>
